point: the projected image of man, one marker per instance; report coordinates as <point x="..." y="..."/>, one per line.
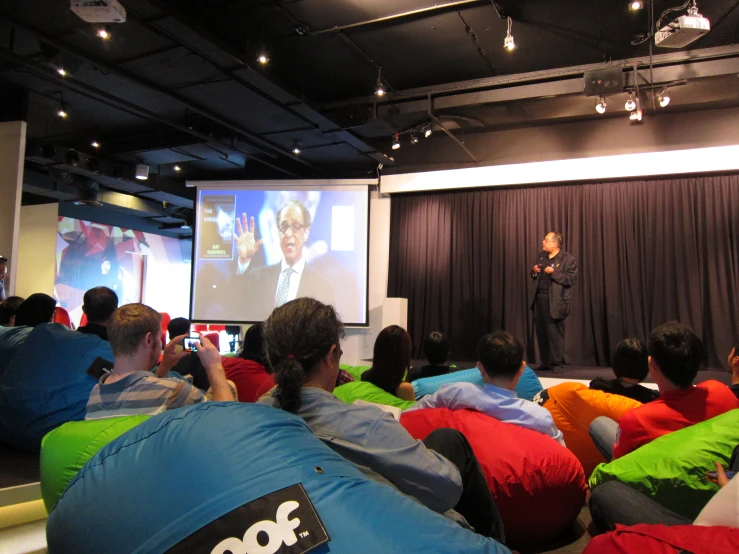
<point x="272" y="286"/>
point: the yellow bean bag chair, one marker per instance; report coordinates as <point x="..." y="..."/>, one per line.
<point x="574" y="406"/>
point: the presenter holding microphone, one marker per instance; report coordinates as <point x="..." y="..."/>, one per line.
<point x="554" y="274"/>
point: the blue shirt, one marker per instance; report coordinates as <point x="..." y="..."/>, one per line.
<point x="501" y="404"/>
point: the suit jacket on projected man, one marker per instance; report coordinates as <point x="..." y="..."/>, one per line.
<point x="559" y="293"/>
<point x="256" y="299"/>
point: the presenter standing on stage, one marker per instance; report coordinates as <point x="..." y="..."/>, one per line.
<point x="554" y="274"/>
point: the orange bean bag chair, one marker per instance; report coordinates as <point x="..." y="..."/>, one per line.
<point x="574" y="407"/>
<point x="538" y="485"/>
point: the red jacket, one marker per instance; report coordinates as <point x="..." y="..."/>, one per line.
<point x="250" y="378"/>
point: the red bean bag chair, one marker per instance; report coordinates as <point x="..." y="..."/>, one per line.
<point x="250" y="378"/>
<point x="538" y="485"/>
<point x="574" y="407"/>
<point x="660" y="539"/>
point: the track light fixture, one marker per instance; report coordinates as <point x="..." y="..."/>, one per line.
<point x="61" y="71"/>
<point x="396" y="141"/>
<point x="380" y="90"/>
<point x="600" y="106"/>
<point x="635" y="116"/>
<point x="95" y="144"/>
<point x="104" y="32"/>
<point x="177" y="167"/>
<point x="142" y="172"/>
<point x="509" y="43"/>
<point x="62" y="112"/>
<point x="427" y="131"/>
<point x="664" y="98"/>
<point x="636" y="5"/>
<point x="630" y="105"/>
<point x="414" y="138"/>
<point x="296" y="150"/>
<point x="263" y="58"/>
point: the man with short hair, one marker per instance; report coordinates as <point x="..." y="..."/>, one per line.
<point x="8" y="309"/>
<point x="3" y="273"/>
<point x="269" y="287"/>
<point x="675" y="355"/>
<point x="554" y="273"/>
<point x="630" y="363"/>
<point x="130" y="388"/>
<point x="501" y="365"/>
<point x="98" y="305"/>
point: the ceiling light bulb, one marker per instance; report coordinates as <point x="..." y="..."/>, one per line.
<point x="396" y="142"/>
<point x="263" y="59"/>
<point x="414" y="139"/>
<point x="142" y="172"/>
<point x="509" y="43"/>
<point x="177" y="168"/>
<point x="104" y="33"/>
<point x="630" y="105"/>
<point x="61" y="71"/>
<point x="600" y="107"/>
<point x="636" y="5"/>
<point x="380" y="90"/>
<point x="95" y="144"/>
<point x="427" y="131"/>
<point x="664" y="98"/>
<point x="296" y="150"/>
<point x="62" y="113"/>
<point x="635" y="115"/>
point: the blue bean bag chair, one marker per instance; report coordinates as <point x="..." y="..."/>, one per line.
<point x="46" y="384"/>
<point x="11" y="338"/>
<point x="528" y="385"/>
<point x="241" y="478"/>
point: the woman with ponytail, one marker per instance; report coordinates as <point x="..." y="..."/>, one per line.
<point x="303" y="348"/>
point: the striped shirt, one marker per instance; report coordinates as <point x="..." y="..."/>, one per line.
<point x="140" y="393"/>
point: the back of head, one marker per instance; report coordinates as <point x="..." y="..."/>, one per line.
<point x="35" y="310"/>
<point x="298" y="335"/>
<point x="253" y="348"/>
<point x="129" y="325"/>
<point x="391" y="358"/>
<point x="178" y="326"/>
<point x="678" y="352"/>
<point x="99" y="303"/>
<point x="436" y="348"/>
<point x="9" y="309"/>
<point x="629" y="360"/>
<point x="501" y="354"/>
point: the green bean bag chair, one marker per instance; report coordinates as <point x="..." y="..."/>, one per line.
<point x="355" y="370"/>
<point x="364" y="390"/>
<point x="672" y="468"/>
<point x="66" y="449"/>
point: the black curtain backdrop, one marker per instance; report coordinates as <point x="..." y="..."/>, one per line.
<point x="648" y="251"/>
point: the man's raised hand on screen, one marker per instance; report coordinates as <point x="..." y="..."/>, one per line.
<point x="245" y="243"/>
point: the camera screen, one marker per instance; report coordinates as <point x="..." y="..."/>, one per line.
<point x="191" y="343"/>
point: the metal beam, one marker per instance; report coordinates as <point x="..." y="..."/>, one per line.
<point x="451" y="136"/>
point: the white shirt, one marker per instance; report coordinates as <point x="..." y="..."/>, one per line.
<point x="298" y="268"/>
<point x="723" y="508"/>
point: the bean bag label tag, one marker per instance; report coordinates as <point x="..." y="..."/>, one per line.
<point x="282" y="522"/>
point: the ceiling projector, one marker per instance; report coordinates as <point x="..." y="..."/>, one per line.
<point x="99" y="11"/>
<point x="682" y="31"/>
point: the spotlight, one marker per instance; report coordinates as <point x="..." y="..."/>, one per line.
<point x="142" y="172"/>
<point x="380" y="90"/>
<point x="427" y="131"/>
<point x="263" y="58"/>
<point x="664" y="98"/>
<point x="296" y="150"/>
<point x="72" y="158"/>
<point x="634" y="6"/>
<point x="509" y="43"/>
<point x="600" y="107"/>
<point x="630" y="105"/>
<point x="396" y="141"/>
<point x="61" y="71"/>
<point x="104" y="32"/>
<point x="177" y="168"/>
<point x="635" y="116"/>
<point x="62" y="112"/>
<point x="95" y="144"/>
<point x="414" y="138"/>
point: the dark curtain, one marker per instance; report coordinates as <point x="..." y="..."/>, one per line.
<point x="648" y="251"/>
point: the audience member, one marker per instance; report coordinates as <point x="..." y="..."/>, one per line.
<point x="250" y="370"/>
<point x="436" y="349"/>
<point x="130" y="388"/>
<point x="8" y="309"/>
<point x="631" y="367"/>
<point x="391" y="360"/>
<point x="189" y="364"/>
<point x="675" y="355"/>
<point x="303" y="347"/>
<point x="734" y="367"/>
<point x="98" y="305"/>
<point x="501" y="365"/>
<point x="35" y="310"/>
<point x="3" y="272"/>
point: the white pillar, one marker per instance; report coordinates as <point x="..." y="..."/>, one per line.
<point x="12" y="153"/>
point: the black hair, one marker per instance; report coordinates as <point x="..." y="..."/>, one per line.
<point x="391" y="359"/>
<point x="558" y="238"/>
<point x="254" y="348"/>
<point x="678" y="352"/>
<point x="436" y="348"/>
<point x="9" y="308"/>
<point x="630" y="359"/>
<point x="178" y="326"/>
<point x="99" y="303"/>
<point x="500" y="353"/>
<point x="34" y="310"/>
<point x="298" y="335"/>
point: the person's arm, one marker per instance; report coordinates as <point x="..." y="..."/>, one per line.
<point x="414" y="469"/>
<point x="170" y="356"/>
<point x="567" y="275"/>
<point x="452" y="396"/>
<point x="246" y="245"/>
<point x="211" y="359"/>
<point x="629" y="436"/>
<point x="184" y="395"/>
<point x="405" y="391"/>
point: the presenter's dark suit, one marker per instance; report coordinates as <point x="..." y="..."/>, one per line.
<point x="550" y="301"/>
<point x="258" y="300"/>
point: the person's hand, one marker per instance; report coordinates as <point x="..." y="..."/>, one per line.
<point x="734" y="361"/>
<point x="211" y="359"/>
<point x="170" y="357"/>
<point x="209" y="355"/>
<point x="537" y="268"/>
<point x="721" y="479"/>
<point x="245" y="243"/>
<point x="549" y="270"/>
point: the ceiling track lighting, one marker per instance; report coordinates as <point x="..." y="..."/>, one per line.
<point x="509" y="43"/>
<point x="414" y="138"/>
<point x="635" y="116"/>
<point x="630" y="105"/>
<point x="427" y="131"/>
<point x="104" y="32"/>
<point x="600" y="106"/>
<point x="62" y="112"/>
<point x="396" y="141"/>
<point x="296" y="150"/>
<point x="664" y="98"/>
<point x="142" y="172"/>
<point x="177" y="167"/>
<point x="95" y="144"/>
<point x="61" y="71"/>
<point x="263" y="58"/>
<point x="380" y="89"/>
<point x="636" y="5"/>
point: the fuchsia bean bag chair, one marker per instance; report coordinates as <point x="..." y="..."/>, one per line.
<point x="538" y="485"/>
